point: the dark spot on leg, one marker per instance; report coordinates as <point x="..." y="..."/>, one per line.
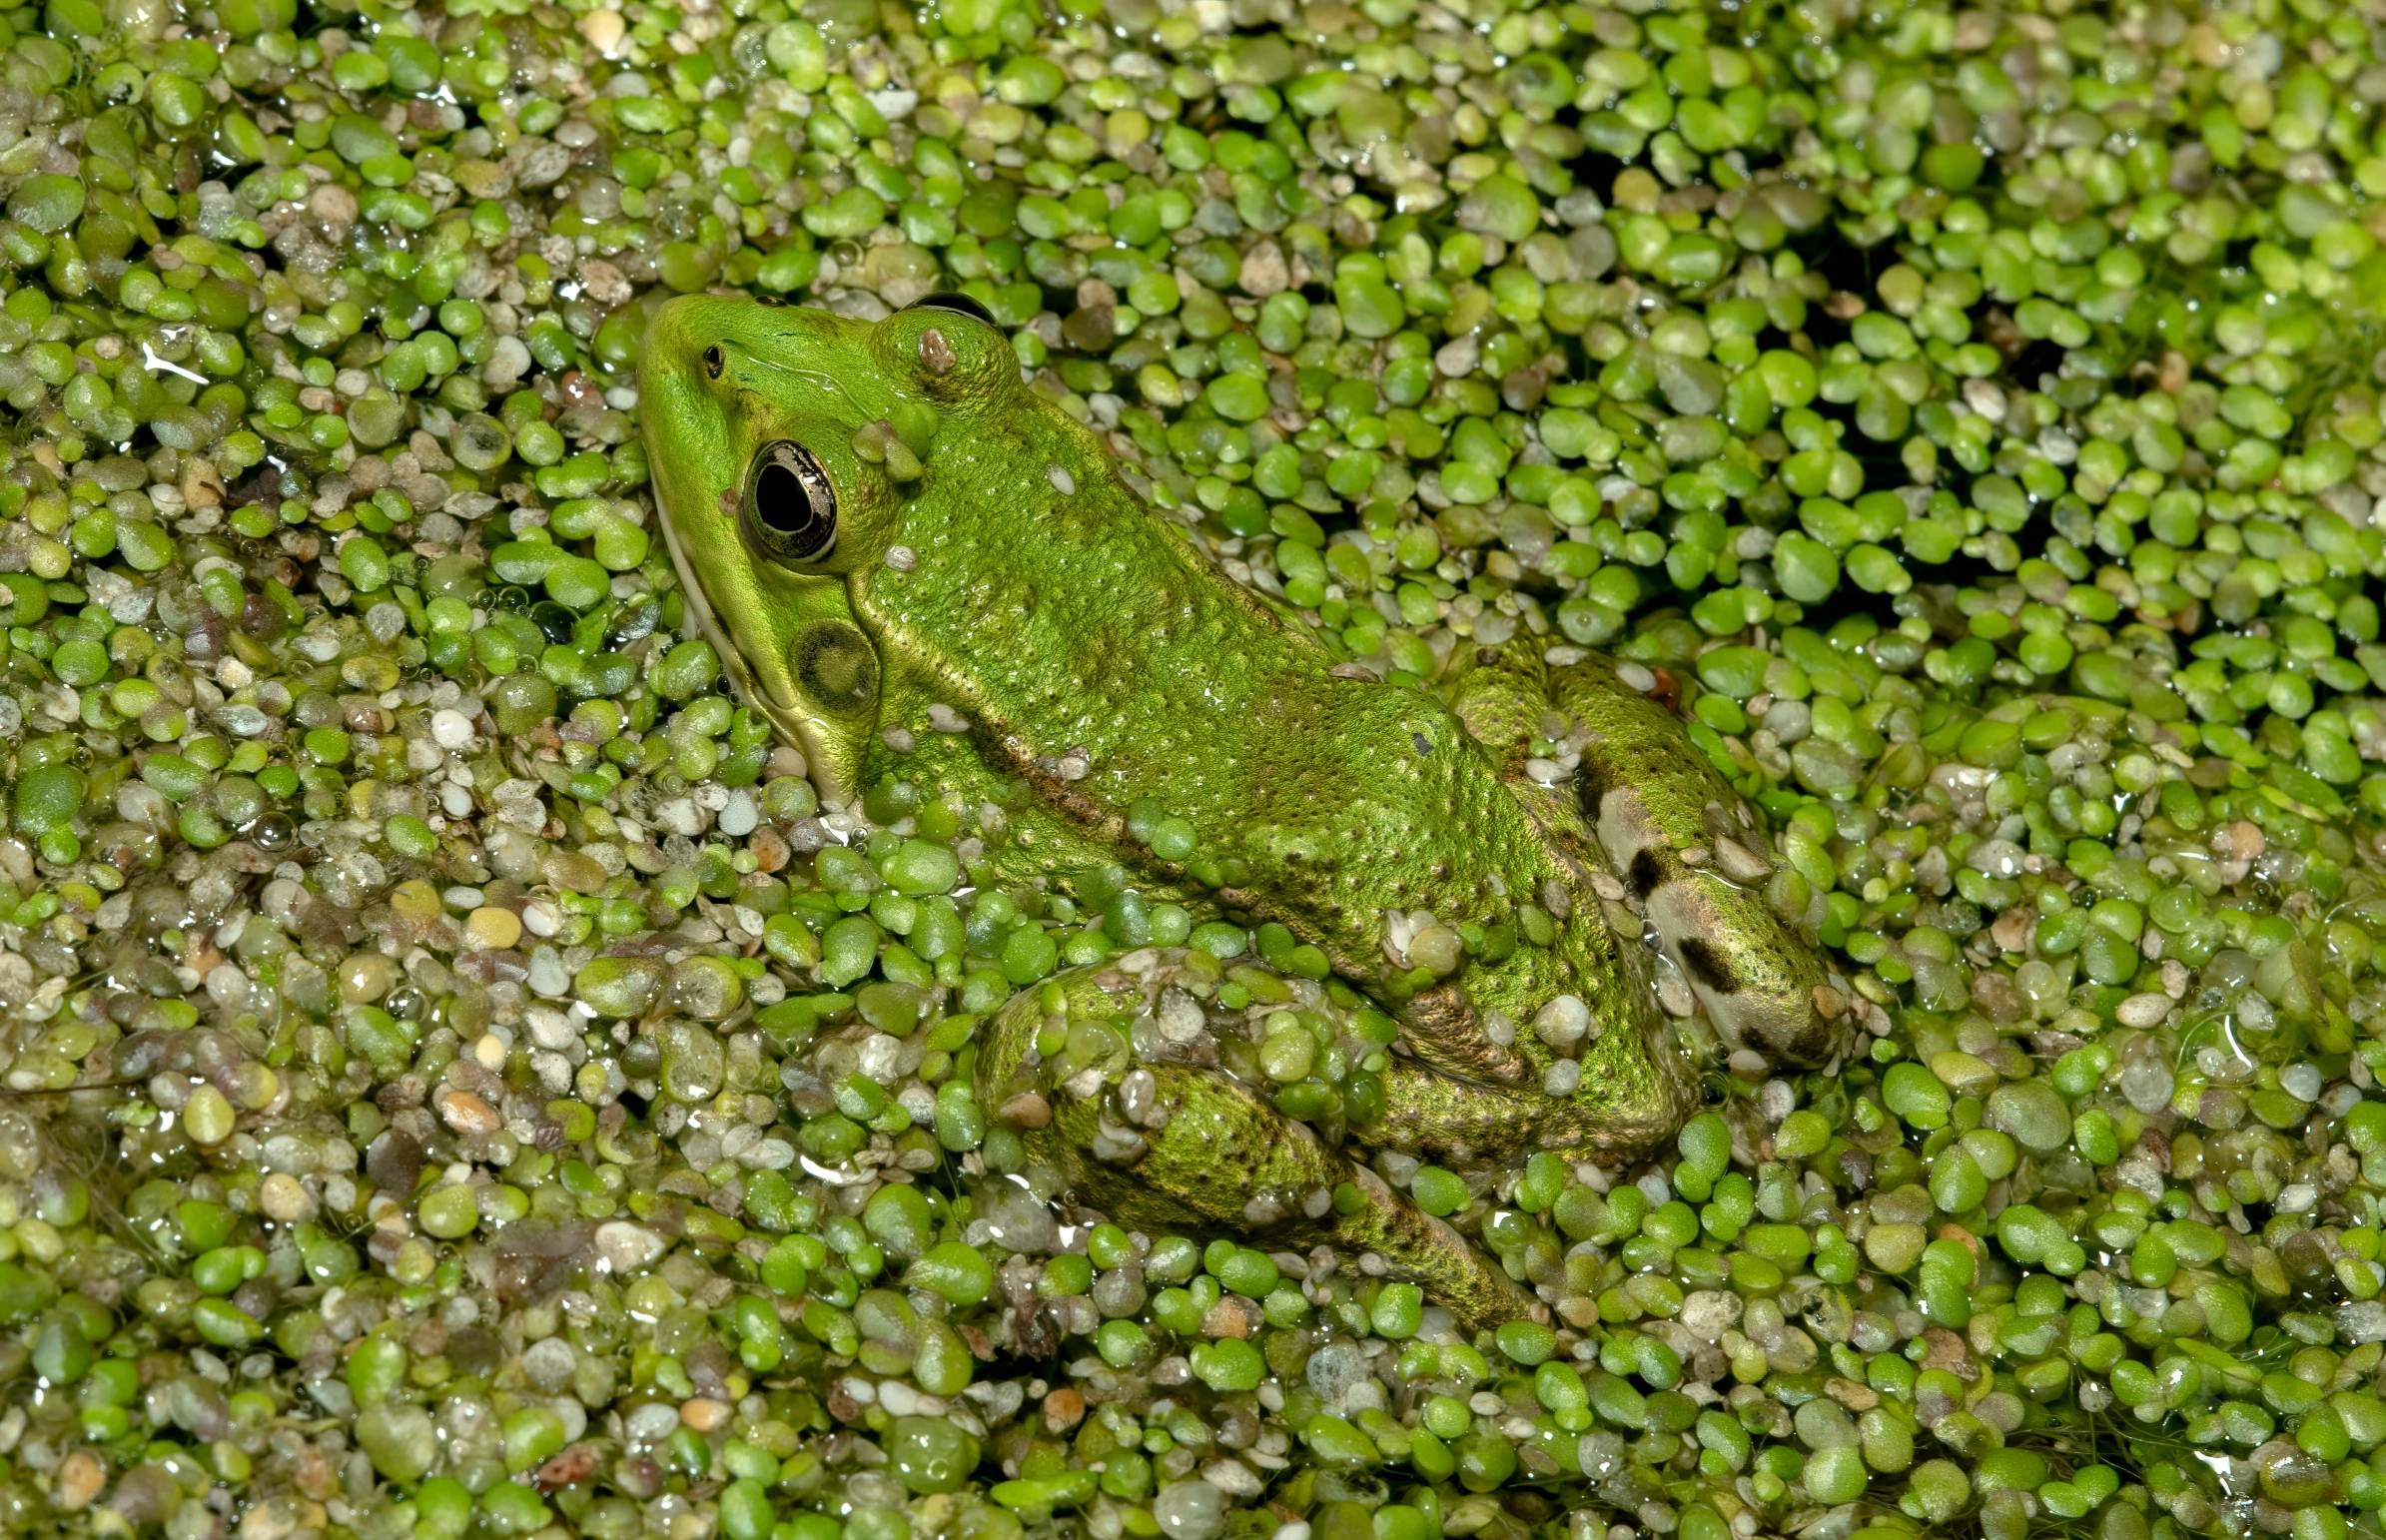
<point x="1590" y="786"/>
<point x="1707" y="966"/>
<point x="1645" y="874"/>
<point x="1423" y="747"/>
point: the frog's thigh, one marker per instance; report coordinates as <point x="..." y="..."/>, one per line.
<point x="1501" y="695"/>
<point x="1698" y="862"/>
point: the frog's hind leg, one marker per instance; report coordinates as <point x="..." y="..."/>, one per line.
<point x="1120" y="1092"/>
<point x="1696" y="863"/>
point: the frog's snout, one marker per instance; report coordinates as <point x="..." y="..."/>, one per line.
<point x="671" y="345"/>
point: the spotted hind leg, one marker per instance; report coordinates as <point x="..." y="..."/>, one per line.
<point x="1696" y="861"/>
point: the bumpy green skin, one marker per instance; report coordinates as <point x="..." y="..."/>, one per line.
<point x="1290" y="1190"/>
<point x="1016" y="580"/>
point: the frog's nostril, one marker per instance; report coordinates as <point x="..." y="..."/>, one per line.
<point x="713" y="362"/>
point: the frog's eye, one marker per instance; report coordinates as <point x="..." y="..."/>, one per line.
<point x="712" y="362"/>
<point x="953" y="302"/>
<point x="790" y="506"/>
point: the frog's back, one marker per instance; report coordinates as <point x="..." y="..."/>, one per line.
<point x="1051" y="603"/>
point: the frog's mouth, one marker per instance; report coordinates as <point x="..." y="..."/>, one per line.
<point x="698" y="618"/>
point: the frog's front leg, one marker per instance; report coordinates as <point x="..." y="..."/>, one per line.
<point x="1146" y="1097"/>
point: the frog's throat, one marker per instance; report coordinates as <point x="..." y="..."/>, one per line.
<point x="834" y="787"/>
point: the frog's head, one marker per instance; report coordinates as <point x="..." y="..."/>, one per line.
<point x="785" y="443"/>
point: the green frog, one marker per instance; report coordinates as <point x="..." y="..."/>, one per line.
<point x="1520" y="903"/>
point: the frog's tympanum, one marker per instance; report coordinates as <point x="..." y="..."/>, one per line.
<point x="1509" y="890"/>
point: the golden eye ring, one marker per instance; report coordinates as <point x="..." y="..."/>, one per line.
<point x="790" y="506"/>
<point x="959" y="303"/>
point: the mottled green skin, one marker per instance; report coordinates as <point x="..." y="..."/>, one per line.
<point x="1214" y="1124"/>
<point x="1654" y="806"/>
<point x="1064" y="619"/>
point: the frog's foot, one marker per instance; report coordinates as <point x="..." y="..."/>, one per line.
<point x="1150" y="1102"/>
<point x="1695" y="862"/>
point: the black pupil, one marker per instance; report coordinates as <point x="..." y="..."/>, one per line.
<point x="780" y="499"/>
<point x="793" y="503"/>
